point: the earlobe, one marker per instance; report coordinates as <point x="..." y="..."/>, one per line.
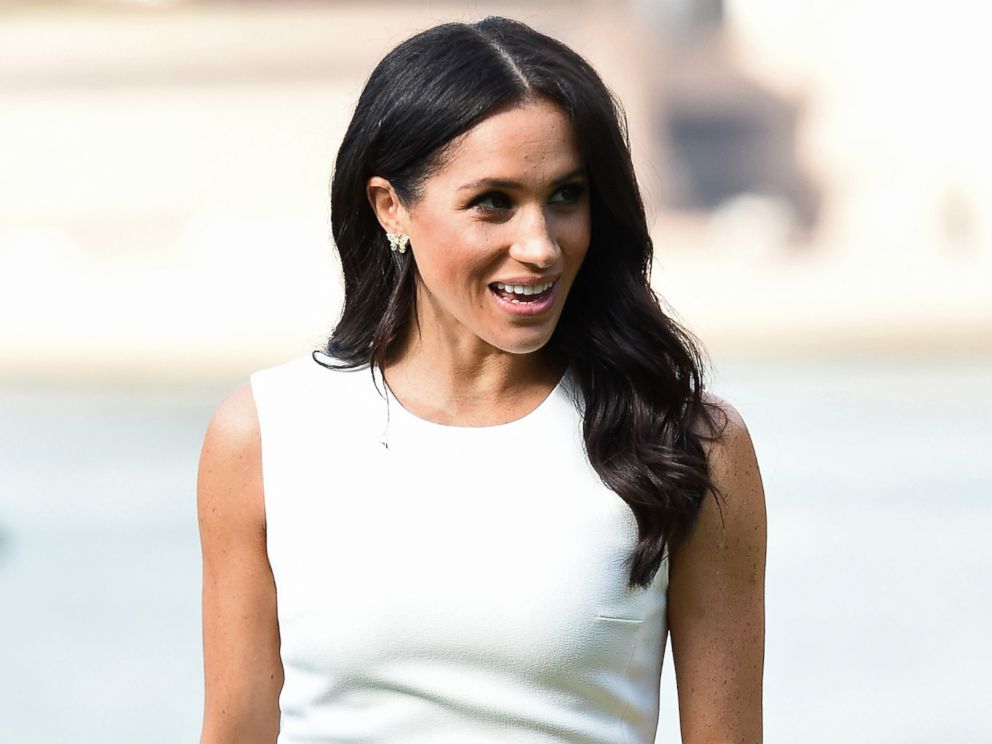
<point x="386" y="204"/>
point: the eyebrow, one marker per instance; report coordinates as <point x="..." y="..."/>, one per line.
<point x="506" y="183"/>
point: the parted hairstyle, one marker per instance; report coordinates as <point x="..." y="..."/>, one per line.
<point x="640" y="374"/>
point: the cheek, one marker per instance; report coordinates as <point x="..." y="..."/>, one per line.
<point x="576" y="236"/>
<point x="438" y="248"/>
<point x="455" y="258"/>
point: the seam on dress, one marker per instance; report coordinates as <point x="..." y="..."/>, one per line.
<point x="626" y="669"/>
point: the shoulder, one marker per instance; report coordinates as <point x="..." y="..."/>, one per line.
<point x="229" y="478"/>
<point x="296" y="381"/>
<point x="297" y="370"/>
<point x="724" y="435"/>
<point x="723" y="418"/>
<point x="727" y="432"/>
<point x="739" y="501"/>
<point x="233" y="430"/>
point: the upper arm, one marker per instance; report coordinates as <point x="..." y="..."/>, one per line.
<point x="716" y="598"/>
<point x="242" y="670"/>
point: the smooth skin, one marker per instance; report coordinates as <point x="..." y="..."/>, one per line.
<point x="510" y="202"/>
<point x="474" y="364"/>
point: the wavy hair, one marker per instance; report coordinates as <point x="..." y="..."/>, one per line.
<point x="640" y="374"/>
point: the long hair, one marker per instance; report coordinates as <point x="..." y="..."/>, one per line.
<point x="640" y="374"/>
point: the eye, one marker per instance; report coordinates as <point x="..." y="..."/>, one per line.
<point x="493" y="201"/>
<point x="570" y="193"/>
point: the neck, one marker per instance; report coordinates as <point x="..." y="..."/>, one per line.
<point x="468" y="382"/>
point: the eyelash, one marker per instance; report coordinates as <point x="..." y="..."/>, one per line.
<point x="576" y="189"/>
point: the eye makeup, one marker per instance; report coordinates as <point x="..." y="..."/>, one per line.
<point x="501" y="201"/>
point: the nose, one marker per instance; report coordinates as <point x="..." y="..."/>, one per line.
<point x="534" y="244"/>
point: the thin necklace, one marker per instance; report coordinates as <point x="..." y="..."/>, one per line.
<point x="379" y="377"/>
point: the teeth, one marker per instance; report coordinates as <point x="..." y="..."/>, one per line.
<point x="524" y="289"/>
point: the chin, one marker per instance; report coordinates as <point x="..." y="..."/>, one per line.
<point x="523" y="345"/>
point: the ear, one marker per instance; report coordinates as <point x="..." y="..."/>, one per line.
<point x="392" y="215"/>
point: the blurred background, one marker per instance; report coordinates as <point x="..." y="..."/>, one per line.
<point x="818" y="180"/>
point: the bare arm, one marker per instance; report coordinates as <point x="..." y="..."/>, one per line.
<point x="242" y="668"/>
<point x="716" y="605"/>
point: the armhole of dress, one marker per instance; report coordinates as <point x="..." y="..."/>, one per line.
<point x="257" y="386"/>
<point x="662" y="575"/>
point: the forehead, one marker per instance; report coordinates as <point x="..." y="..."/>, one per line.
<point x="532" y="140"/>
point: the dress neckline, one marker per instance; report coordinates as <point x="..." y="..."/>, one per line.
<point x="397" y="413"/>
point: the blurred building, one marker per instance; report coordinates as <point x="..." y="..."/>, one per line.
<point x="814" y="183"/>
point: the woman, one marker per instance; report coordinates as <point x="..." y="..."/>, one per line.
<point x="454" y="523"/>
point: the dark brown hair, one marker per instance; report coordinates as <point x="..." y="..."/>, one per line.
<point x="640" y="373"/>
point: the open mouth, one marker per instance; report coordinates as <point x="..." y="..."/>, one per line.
<point x="521" y="293"/>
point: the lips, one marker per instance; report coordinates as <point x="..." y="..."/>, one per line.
<point x="524" y="299"/>
<point x="521" y="292"/>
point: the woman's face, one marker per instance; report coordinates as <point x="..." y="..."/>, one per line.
<point x="500" y="231"/>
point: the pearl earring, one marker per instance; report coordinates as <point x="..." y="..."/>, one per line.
<point x="398" y="241"/>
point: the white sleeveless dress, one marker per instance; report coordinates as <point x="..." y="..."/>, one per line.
<point x="449" y="585"/>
